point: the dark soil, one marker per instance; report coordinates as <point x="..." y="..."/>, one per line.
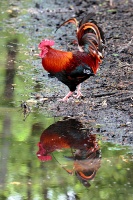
<point x="108" y="96"/>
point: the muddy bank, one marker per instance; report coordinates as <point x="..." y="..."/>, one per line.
<point x="108" y="96"/>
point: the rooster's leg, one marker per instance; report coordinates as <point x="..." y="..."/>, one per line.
<point x="66" y="97"/>
<point x="79" y="94"/>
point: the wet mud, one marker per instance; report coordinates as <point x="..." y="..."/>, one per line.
<point x="108" y="97"/>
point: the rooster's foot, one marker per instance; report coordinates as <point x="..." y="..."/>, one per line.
<point x="79" y="94"/>
<point x="66" y="98"/>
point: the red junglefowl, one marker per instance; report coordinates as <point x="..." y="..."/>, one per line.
<point x="72" y="68"/>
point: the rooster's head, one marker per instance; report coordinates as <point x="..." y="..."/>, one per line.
<point x="44" y="46"/>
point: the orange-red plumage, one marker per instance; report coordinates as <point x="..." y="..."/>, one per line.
<point x="80" y="147"/>
<point x="56" y="60"/>
<point x="72" y="68"/>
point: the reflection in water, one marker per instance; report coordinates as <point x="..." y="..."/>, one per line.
<point x="6" y="121"/>
<point x="10" y="68"/>
<point x="69" y="134"/>
<point x="5" y="149"/>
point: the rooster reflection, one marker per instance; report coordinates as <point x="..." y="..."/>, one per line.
<point x="85" y="152"/>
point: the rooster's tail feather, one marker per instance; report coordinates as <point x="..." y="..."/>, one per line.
<point x="72" y="20"/>
<point x="90" y="36"/>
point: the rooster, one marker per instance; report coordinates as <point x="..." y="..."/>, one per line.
<point x="72" y="68"/>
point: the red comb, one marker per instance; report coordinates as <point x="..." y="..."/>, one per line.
<point x="46" y="42"/>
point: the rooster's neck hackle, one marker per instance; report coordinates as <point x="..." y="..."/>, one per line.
<point x="56" y="60"/>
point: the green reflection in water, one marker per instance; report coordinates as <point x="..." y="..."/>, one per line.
<point x="14" y="56"/>
<point x="24" y="175"/>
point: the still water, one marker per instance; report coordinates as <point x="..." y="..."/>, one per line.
<point x="43" y="157"/>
